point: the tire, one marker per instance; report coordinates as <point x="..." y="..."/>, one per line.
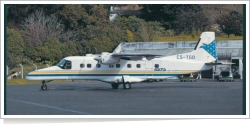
<point x="44" y="87"/>
<point x="115" y="86"/>
<point x="127" y="86"/>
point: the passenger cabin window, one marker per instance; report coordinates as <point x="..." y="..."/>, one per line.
<point x="65" y="64"/>
<point x="88" y="65"/>
<point x="129" y="65"/>
<point x="117" y="65"/>
<point x="156" y="65"/>
<point x="138" y="65"/>
<point x="98" y="65"/>
<point x="111" y="66"/>
<point x="82" y="65"/>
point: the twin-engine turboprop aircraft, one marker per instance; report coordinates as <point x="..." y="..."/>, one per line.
<point x="128" y="68"/>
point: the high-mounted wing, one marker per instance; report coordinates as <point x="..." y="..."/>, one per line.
<point x="135" y="56"/>
<point x="112" y="58"/>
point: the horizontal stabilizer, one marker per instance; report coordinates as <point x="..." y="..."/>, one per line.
<point x="220" y="63"/>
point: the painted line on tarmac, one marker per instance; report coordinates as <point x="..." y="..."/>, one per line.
<point x="47" y="106"/>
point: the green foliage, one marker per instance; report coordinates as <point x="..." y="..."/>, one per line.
<point x="73" y="16"/>
<point x="130" y="35"/>
<point x="142" y="31"/>
<point x="155" y="29"/>
<point x="45" y="34"/>
<point x="179" y="17"/>
<point x="102" y="44"/>
<point x="69" y="49"/>
<point x="231" y="23"/>
<point x="15" y="47"/>
<point x="50" y="52"/>
<point x="54" y="47"/>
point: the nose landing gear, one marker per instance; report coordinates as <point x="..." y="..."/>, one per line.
<point x="44" y="86"/>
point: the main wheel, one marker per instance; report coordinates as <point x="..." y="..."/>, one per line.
<point x="127" y="86"/>
<point x="44" y="87"/>
<point x="115" y="86"/>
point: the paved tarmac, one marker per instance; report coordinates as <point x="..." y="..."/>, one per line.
<point x="171" y="97"/>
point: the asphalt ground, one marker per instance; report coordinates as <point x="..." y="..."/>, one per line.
<point x="171" y="97"/>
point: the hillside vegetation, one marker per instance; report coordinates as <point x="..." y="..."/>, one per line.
<point x="45" y="33"/>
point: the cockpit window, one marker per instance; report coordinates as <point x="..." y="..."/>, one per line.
<point x="64" y="64"/>
<point x="61" y="63"/>
<point x="67" y="65"/>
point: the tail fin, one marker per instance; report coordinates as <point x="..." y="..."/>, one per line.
<point x="205" y="49"/>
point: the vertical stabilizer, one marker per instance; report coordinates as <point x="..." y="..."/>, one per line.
<point x="205" y="49"/>
<point x="207" y="42"/>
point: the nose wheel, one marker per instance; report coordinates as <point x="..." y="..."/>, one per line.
<point x="44" y="86"/>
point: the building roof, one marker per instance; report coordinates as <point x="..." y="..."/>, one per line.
<point x="225" y="49"/>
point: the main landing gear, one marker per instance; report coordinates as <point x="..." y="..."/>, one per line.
<point x="125" y="86"/>
<point x="44" y="86"/>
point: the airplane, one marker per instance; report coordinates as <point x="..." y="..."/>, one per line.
<point x="127" y="68"/>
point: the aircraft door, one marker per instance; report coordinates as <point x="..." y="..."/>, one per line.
<point x="82" y="65"/>
<point x="148" y="68"/>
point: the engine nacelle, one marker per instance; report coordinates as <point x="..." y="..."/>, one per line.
<point x="107" y="58"/>
<point x="149" y="57"/>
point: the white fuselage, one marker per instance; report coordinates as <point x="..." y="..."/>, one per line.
<point x="85" y="67"/>
<point x="127" y="68"/>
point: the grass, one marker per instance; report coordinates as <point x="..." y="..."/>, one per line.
<point x="21" y="81"/>
<point x="192" y="38"/>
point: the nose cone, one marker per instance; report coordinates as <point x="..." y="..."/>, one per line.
<point x="31" y="76"/>
<point x="39" y="74"/>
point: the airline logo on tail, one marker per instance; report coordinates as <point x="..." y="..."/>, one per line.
<point x="210" y="48"/>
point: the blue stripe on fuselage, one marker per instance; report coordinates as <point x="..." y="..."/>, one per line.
<point x="103" y="74"/>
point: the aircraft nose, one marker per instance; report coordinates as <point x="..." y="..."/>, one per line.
<point x="29" y="76"/>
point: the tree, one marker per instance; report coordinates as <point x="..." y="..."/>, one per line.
<point x="55" y="49"/>
<point x="142" y="30"/>
<point x="15" y="47"/>
<point x="231" y="23"/>
<point x="130" y="35"/>
<point x="155" y="29"/>
<point x="70" y="48"/>
<point x="37" y="27"/>
<point x="73" y="16"/>
<point x="177" y="17"/>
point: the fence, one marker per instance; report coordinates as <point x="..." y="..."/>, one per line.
<point x="23" y="70"/>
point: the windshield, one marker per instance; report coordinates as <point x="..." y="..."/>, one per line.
<point x="61" y="63"/>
